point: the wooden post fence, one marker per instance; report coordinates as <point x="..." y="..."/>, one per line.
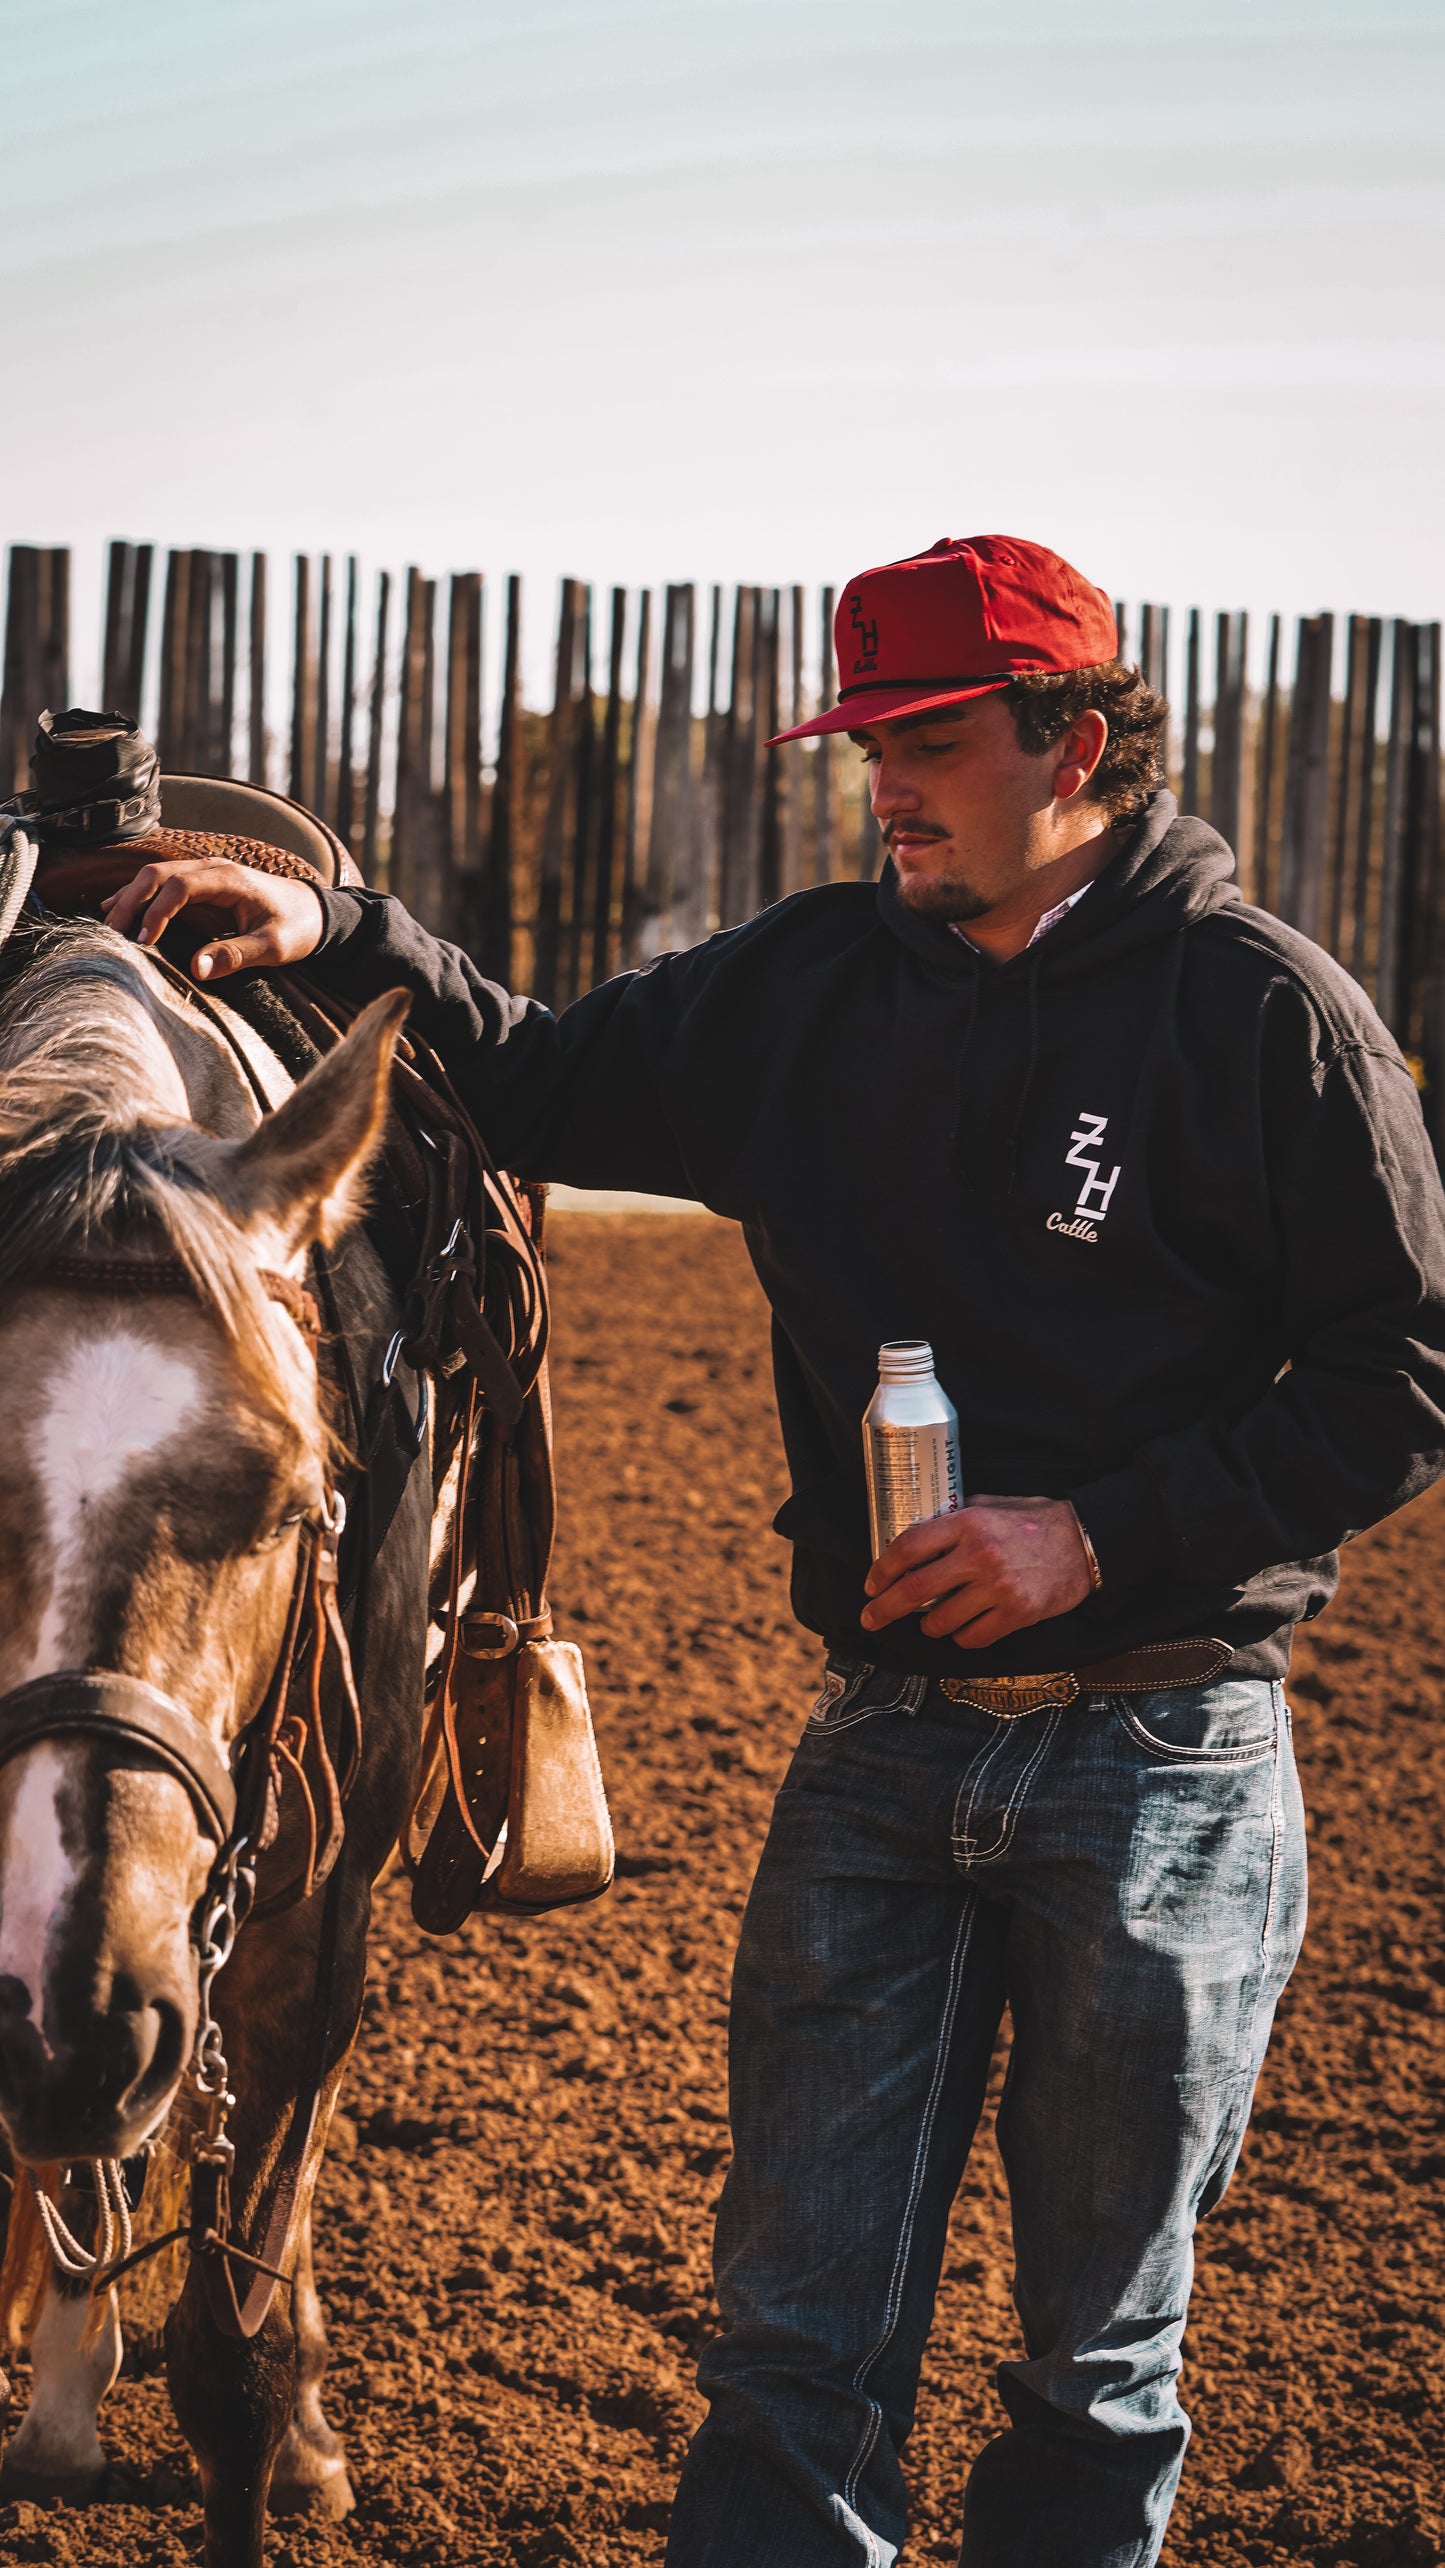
<point x="823" y="848"/>
<point x="418" y="864"/>
<point x="570" y="689"/>
<point x="493" y="922"/>
<point x="256" y="725"/>
<point x="371" y="820"/>
<point x="605" y="917"/>
<point x="127" y="613"/>
<point x="1189" y="784"/>
<point x="671" y="825"/>
<point x="1226" y="772"/>
<point x="1302" y="852"/>
<point x="345" y="813"/>
<point x="741" y="831"/>
<point x="638" y="753"/>
<point x="37" y="653"/>
<point x="707" y="806"/>
<point x="582" y="869"/>
<point x="461" y="842"/>
<point x="604" y="829"/>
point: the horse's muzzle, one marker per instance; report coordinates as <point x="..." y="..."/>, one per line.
<point x="90" y="2057"/>
<point x="94" y="2085"/>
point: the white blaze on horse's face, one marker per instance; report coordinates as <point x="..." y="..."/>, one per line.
<point x="114" y="1403"/>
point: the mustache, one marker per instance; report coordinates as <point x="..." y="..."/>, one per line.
<point x="911" y="829"/>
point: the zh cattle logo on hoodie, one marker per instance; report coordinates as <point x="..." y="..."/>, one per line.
<point x="1096" y="1191"/>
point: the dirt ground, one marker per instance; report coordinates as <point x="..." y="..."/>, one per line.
<point x="514" y="2237"/>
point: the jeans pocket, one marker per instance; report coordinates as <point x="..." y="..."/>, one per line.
<point x="1224" y="1725"/>
<point x="854" y="1690"/>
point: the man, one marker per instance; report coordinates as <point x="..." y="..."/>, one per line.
<point x="1149" y="1174"/>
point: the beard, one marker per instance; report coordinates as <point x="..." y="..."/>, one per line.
<point x="944" y="896"/>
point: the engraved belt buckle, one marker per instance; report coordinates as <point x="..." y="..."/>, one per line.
<point x="1008" y="1698"/>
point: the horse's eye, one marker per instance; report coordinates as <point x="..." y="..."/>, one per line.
<point x="284" y="1525"/>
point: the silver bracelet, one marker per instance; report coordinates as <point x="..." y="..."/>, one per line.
<point x="1096" y="1575"/>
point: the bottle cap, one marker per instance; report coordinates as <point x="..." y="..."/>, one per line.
<point x="905" y="1360"/>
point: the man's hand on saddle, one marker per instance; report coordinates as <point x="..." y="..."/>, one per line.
<point x="244" y="921"/>
<point x="982" y="1571"/>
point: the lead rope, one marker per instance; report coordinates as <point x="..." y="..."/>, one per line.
<point x="77" y="2263"/>
<point x="207" y="2080"/>
<point x="18" y="854"/>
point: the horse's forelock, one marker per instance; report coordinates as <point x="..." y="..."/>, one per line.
<point x="84" y="1174"/>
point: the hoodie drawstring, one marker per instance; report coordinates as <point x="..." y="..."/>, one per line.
<point x="969" y="1022"/>
<point x="1030" y="1065"/>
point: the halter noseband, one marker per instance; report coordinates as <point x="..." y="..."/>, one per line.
<point x="95" y="1703"/>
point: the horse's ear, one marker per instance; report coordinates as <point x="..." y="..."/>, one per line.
<point x="300" y="1175"/>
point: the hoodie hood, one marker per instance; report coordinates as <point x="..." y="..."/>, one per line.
<point x="1170" y="874"/>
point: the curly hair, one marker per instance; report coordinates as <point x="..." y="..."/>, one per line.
<point x="1044" y="703"/>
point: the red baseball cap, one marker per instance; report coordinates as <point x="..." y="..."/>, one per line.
<point x="957" y="622"/>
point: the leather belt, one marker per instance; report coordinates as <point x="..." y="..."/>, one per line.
<point x="1154" y="1669"/>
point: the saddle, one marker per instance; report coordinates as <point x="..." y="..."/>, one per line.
<point x="509" y="1812"/>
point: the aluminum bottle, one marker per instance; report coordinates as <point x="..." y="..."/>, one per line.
<point x="910" y="1443"/>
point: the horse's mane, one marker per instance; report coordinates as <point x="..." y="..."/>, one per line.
<point x="92" y="1162"/>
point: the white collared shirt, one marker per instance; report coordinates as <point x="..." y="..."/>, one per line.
<point x="1050" y="919"/>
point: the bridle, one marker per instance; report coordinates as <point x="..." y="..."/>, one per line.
<point x="237" y="1800"/>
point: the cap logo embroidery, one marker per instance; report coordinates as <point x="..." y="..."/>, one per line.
<point x="867" y="655"/>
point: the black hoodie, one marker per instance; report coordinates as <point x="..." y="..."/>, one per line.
<point x="1157" y="1191"/>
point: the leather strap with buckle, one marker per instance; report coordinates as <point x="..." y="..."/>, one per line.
<point x="1155" y="1669"/>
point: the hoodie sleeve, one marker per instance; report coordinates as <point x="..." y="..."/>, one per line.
<point x="1356" y="1425"/>
<point x="579" y="1097"/>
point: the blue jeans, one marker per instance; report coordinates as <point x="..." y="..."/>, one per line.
<point x="1128" y="1877"/>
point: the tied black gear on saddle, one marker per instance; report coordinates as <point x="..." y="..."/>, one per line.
<point x="94" y="778"/>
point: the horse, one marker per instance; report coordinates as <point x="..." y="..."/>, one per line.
<point x="170" y="1449"/>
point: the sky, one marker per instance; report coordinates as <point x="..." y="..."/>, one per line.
<point x="734" y="289"/>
